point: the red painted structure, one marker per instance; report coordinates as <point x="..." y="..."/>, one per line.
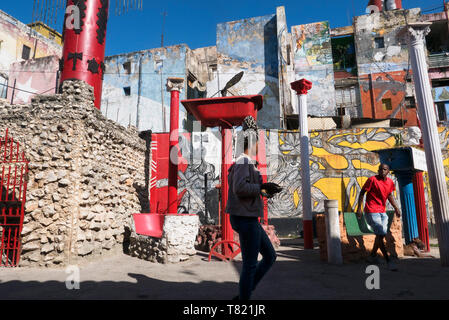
<point x="224" y="112"/>
<point x="421" y="214"/>
<point x="173" y="153"/>
<point x="84" y="48"/>
<point x="13" y="185"/>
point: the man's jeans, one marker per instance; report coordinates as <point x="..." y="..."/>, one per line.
<point x="253" y="240"/>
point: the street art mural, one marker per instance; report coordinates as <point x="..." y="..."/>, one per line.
<point x="383" y="64"/>
<point x="313" y="61"/>
<point x="199" y="160"/>
<point x="340" y="161"/>
<point x="383" y="96"/>
<point x="251" y="46"/>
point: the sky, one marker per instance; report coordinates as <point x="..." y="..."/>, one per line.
<point x="194" y="22"/>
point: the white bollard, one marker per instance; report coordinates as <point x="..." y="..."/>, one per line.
<point x="333" y="240"/>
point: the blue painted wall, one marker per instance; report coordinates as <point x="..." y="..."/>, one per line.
<point x="143" y="109"/>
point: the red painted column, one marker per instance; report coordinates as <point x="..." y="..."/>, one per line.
<point x="302" y="87"/>
<point x="174" y="85"/>
<point x="377" y="3"/>
<point x="84" y="47"/>
<point x="420" y="201"/>
<point x="227" y="233"/>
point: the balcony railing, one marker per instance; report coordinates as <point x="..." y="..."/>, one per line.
<point x="439" y="60"/>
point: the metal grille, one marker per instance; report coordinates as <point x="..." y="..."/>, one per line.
<point x="13" y="183"/>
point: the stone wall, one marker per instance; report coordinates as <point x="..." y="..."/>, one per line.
<point x="86" y="178"/>
<point x="176" y="245"/>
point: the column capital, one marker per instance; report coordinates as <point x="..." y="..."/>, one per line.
<point x="301" y="86"/>
<point x="416" y="33"/>
<point x="175" y="84"/>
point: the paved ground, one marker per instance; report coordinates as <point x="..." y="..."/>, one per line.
<point x="297" y="274"/>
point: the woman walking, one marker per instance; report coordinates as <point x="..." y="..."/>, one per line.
<point x="245" y="207"/>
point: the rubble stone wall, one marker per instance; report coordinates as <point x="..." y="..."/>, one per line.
<point x="86" y="177"/>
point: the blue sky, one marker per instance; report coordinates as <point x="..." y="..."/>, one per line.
<point x="194" y="22"/>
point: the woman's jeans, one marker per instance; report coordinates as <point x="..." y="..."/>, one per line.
<point x="253" y="240"/>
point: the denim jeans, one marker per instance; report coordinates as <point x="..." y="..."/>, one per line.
<point x="253" y="240"/>
<point x="378" y="222"/>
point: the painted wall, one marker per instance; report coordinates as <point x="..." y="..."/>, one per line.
<point x="149" y="70"/>
<point x="286" y="67"/>
<point x="36" y="76"/>
<point x="440" y="94"/>
<point x="313" y="61"/>
<point x="384" y="67"/>
<point x="14" y="35"/>
<point x="250" y="45"/>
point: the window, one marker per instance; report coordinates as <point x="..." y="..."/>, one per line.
<point x="341" y="111"/>
<point x="127" y="91"/>
<point x="386" y="104"/>
<point x="127" y="67"/>
<point x="289" y="52"/>
<point x="379" y="43"/>
<point x="26" y="52"/>
<point x="410" y="103"/>
<point x="441" y="108"/>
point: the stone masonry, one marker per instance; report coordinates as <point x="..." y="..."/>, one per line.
<point x="86" y="178"/>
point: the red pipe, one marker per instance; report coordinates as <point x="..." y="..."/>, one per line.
<point x="173" y="154"/>
<point x="84" y="48"/>
<point x="421" y="214"/>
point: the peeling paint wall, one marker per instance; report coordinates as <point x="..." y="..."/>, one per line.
<point x="14" y="35"/>
<point x="313" y="61"/>
<point x="250" y="45"/>
<point x="383" y="64"/>
<point x="286" y="70"/>
<point x="146" y="80"/>
<point x="36" y="76"/>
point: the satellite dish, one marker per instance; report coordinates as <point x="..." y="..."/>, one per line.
<point x="235" y="79"/>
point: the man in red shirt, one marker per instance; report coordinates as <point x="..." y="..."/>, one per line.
<point x="378" y="189"/>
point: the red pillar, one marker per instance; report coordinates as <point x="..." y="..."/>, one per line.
<point x="84" y="48"/>
<point x="174" y="85"/>
<point x="421" y="215"/>
<point x="227" y="233"/>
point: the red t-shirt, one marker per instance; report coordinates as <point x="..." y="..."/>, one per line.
<point x="377" y="192"/>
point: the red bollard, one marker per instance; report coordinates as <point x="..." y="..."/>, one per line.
<point x="421" y="214"/>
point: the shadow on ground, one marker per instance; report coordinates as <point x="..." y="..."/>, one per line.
<point x="297" y="274"/>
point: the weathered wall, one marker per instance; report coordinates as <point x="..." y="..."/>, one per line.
<point x="147" y="81"/>
<point x="286" y="72"/>
<point x="86" y="178"/>
<point x="36" y="76"/>
<point x="383" y="70"/>
<point x="313" y="61"/>
<point x="14" y="35"/>
<point x="250" y="45"/>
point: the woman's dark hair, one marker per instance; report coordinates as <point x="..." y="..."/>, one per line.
<point x="250" y="132"/>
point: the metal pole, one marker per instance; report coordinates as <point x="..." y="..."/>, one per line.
<point x="174" y="86"/>
<point x="416" y="34"/>
<point x="333" y="239"/>
<point x="302" y="87"/>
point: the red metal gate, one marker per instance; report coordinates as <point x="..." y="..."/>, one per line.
<point x="13" y="183"/>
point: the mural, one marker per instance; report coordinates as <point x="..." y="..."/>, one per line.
<point x="341" y="162"/>
<point x="383" y="64"/>
<point x="383" y="96"/>
<point x="250" y="45"/>
<point x="313" y="61"/>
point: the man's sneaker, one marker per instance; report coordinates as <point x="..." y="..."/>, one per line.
<point x="392" y="266"/>
<point x="373" y="260"/>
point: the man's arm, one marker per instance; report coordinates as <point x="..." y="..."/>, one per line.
<point x="394" y="204"/>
